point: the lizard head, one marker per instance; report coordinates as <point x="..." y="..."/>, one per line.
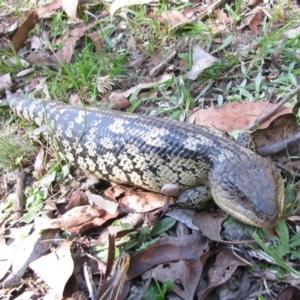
<point x="250" y="190"/>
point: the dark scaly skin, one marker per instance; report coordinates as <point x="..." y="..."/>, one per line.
<point x="149" y="153"/>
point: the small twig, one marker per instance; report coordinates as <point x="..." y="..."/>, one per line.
<point x="278" y="147"/>
<point x="158" y="69"/>
<point x="262" y="119"/>
<point x="19" y="203"/>
<point x="89" y="281"/>
<point x="210" y="9"/>
<point x="281" y="166"/>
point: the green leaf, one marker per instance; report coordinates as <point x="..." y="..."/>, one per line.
<point x="296" y="253"/>
<point x="270" y="252"/>
<point x="220" y="100"/>
<point x="283" y="232"/>
<point x="225" y="43"/>
<point x="30" y="216"/>
<point x="151" y="292"/>
<point x="162" y="226"/>
<point x="258" y="81"/>
<point x="175" y="115"/>
<point x="168" y="285"/>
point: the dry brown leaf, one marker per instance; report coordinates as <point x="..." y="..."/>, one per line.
<point x="186" y="274"/>
<point x="25" y="72"/>
<point x="279" y="129"/>
<point x="249" y="16"/>
<point x="167" y="250"/>
<point x="290" y="292"/>
<point x="253" y="2"/>
<point x="70" y="8"/>
<point x="5" y="82"/>
<point x="147" y="85"/>
<point x="236" y="116"/>
<point x="22" y="33"/>
<point x="68" y="49"/>
<point x="55" y="268"/>
<point x="43" y="59"/>
<point x="94" y="223"/>
<point x="256" y="20"/>
<point x="66" y="53"/>
<point x="111" y="206"/>
<point x="201" y="61"/>
<point x="223" y="17"/>
<point x="49" y="10"/>
<point x="137" y="201"/>
<point x="77" y="198"/>
<point x="119" y="101"/>
<point x="280" y="140"/>
<point x="77" y="216"/>
<point x="97" y="39"/>
<point x="151" y="15"/>
<point x="224" y="267"/>
<point x="176" y="18"/>
<point x="39" y="165"/>
<point x="23" y="252"/>
<point x="5" y="263"/>
<point x="210" y="223"/>
<point x="75" y="100"/>
<point x="117" y="4"/>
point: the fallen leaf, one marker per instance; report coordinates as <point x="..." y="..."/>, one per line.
<point x="184" y="216"/>
<point x="44" y="59"/>
<point x="185" y="273"/>
<point x="289" y="293"/>
<point x="249" y="16"/>
<point x="5" y="82"/>
<point x="223" y="17"/>
<point x="22" y="33"/>
<point x="176" y="18"/>
<point x="110" y="206"/>
<point x="31" y="249"/>
<point x="151" y="15"/>
<point x="226" y="264"/>
<point x="97" y="39"/>
<point x="210" y="223"/>
<point x="55" y="268"/>
<point x="256" y="20"/>
<point x="147" y="85"/>
<point x="39" y="165"/>
<point x="137" y="201"/>
<point x="5" y="262"/>
<point x="25" y="72"/>
<point x="49" y="10"/>
<point x="67" y="50"/>
<point x="117" y="4"/>
<point x="75" y="99"/>
<point x="77" y="198"/>
<point x="280" y="140"/>
<point x="75" y="217"/>
<point x="201" y="61"/>
<point x="70" y="8"/>
<point x="237" y="115"/>
<point x="28" y="295"/>
<point x="167" y="250"/>
<point x="119" y="101"/>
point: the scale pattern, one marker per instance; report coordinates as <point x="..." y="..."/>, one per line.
<point x="150" y="153"/>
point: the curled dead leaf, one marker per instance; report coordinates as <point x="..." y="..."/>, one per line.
<point x="22" y="33"/>
<point x="237" y="115"/>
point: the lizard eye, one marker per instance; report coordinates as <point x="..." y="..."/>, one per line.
<point x="242" y="197"/>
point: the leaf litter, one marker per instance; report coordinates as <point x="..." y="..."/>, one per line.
<point x="93" y="215"/>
